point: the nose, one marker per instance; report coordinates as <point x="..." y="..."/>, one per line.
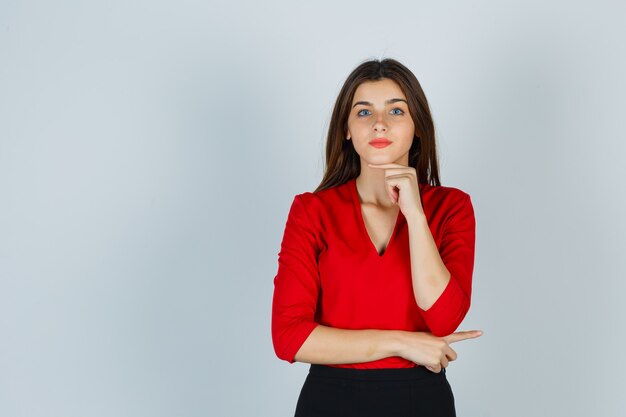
<point x="380" y="125"/>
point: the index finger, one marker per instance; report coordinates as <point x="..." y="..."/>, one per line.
<point x="458" y="336"/>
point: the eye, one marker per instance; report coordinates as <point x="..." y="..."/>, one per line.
<point x="397" y="114"/>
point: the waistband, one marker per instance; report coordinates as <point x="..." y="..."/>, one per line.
<point x="378" y="374"/>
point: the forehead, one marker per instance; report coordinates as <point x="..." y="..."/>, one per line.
<point x="378" y="91"/>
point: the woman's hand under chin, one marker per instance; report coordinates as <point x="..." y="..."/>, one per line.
<point x="402" y="187"/>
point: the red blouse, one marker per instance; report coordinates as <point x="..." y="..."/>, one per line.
<point x="330" y="273"/>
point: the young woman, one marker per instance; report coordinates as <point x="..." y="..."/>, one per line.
<point x="375" y="266"/>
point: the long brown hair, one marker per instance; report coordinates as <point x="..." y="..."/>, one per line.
<point x="342" y="160"/>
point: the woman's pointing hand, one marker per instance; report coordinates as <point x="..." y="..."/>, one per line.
<point x="431" y="351"/>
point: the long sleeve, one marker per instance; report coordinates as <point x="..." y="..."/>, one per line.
<point x="296" y="284"/>
<point x="457" y="253"/>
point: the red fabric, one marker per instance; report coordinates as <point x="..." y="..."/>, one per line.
<point x="330" y="273"/>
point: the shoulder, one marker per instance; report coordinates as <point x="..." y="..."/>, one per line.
<point x="447" y="203"/>
<point x="445" y="195"/>
<point x="319" y="206"/>
<point x="326" y="199"/>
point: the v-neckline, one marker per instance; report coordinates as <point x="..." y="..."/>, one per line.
<point x="361" y="221"/>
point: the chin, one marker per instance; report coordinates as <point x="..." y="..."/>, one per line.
<point x="383" y="159"/>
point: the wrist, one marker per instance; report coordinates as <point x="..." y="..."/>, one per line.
<point x="395" y="342"/>
<point x="418" y="219"/>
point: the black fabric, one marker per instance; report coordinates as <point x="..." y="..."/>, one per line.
<point x="390" y="392"/>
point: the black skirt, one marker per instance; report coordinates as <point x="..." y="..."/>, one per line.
<point x="389" y="392"/>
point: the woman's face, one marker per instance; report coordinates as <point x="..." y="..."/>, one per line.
<point x="379" y="110"/>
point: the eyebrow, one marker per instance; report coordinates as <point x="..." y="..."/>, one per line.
<point x="391" y="100"/>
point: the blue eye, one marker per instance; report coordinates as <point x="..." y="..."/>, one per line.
<point x="397" y="108"/>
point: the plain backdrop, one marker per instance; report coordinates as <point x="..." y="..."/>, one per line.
<point x="149" y="152"/>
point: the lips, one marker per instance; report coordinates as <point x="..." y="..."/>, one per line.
<point x="380" y="142"/>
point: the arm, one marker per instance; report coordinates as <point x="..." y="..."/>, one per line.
<point x="329" y="345"/>
<point x="442" y="278"/>
<point x="296" y="284"/>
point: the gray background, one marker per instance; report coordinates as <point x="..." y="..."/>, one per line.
<point x="149" y="152"/>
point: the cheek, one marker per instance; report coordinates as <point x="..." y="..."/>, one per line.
<point x="359" y="129"/>
<point x="407" y="132"/>
<point x="408" y="127"/>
